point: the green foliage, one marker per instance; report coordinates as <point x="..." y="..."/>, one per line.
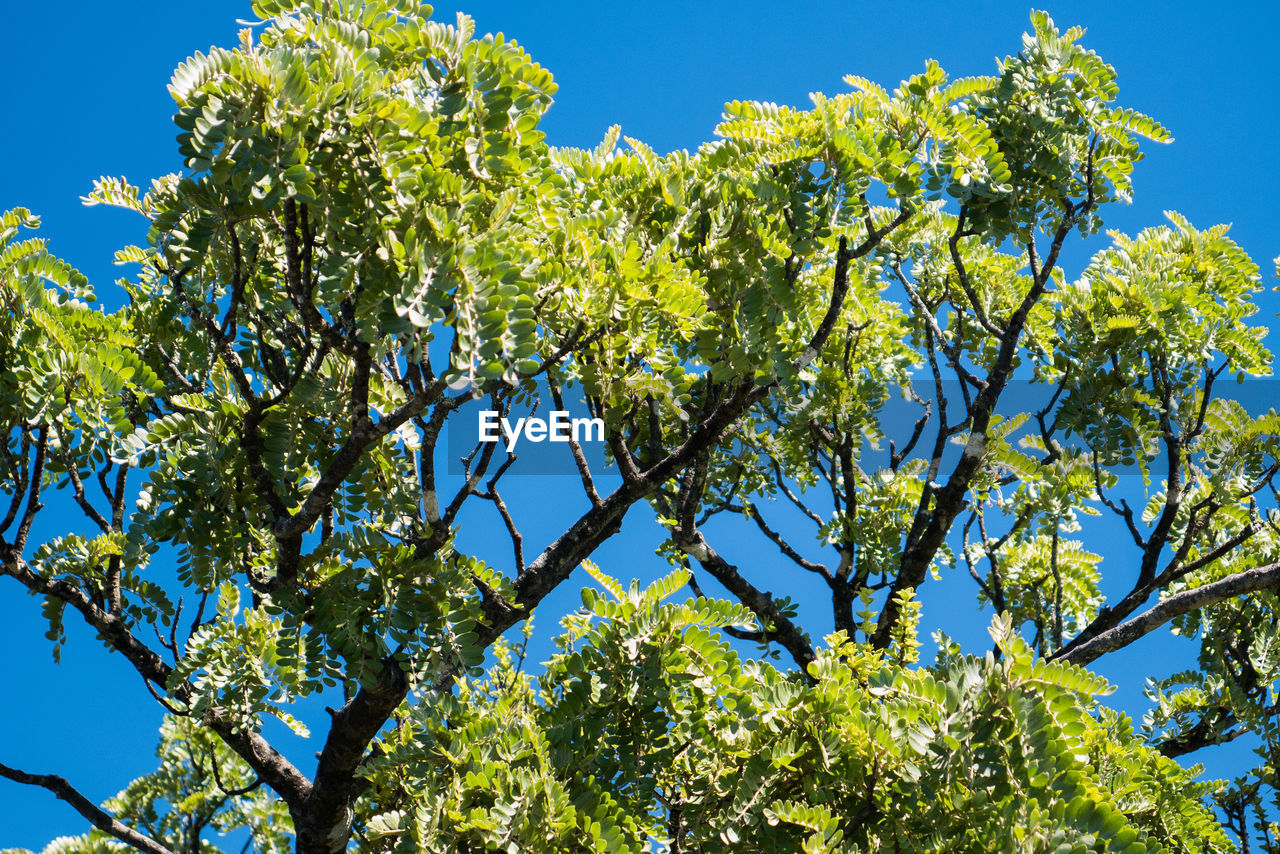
<point x="372" y="236"/>
<point x="648" y="729"/>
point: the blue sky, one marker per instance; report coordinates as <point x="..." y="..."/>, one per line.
<point x="84" y="95"/>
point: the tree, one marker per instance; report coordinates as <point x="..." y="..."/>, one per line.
<point x="373" y="240"/>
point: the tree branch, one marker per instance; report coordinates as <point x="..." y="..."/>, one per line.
<point x="279" y="773"/>
<point x="950" y="500"/>
<point x="567" y="552"/>
<point x="753" y="513"/>
<point x="780" y="628"/>
<point x="1251" y="581"/>
<point x="99" y="818"/>
<point x="354" y="726"/>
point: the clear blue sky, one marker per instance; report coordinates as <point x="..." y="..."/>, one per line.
<point x="84" y="95"/>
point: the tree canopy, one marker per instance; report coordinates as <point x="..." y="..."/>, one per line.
<point x="372" y="241"/>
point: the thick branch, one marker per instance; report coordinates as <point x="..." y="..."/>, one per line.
<point x="1205" y="733"/>
<point x="97" y="817"/>
<point x="279" y="773"/>
<point x="1111" y="616"/>
<point x="779" y="627"/>
<point x="1251" y="581"/>
<point x="354" y="726"/>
